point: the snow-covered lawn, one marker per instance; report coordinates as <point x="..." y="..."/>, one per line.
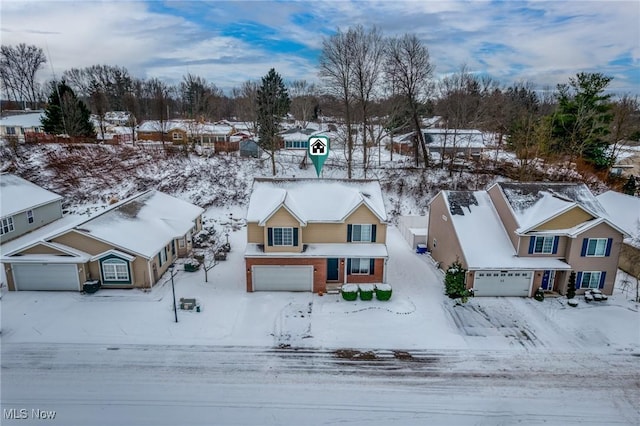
<point x="418" y="316"/>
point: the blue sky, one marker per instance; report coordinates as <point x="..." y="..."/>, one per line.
<point x="229" y="42"/>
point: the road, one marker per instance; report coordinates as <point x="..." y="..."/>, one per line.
<point x="88" y="384"/>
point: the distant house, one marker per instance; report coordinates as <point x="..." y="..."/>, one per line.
<point x="130" y="245"/>
<point x="517" y="237"/>
<point x="206" y="136"/>
<point x="21" y="126"/>
<point x="315" y="234"/>
<point x="297" y="138"/>
<point x="249" y="148"/>
<point x="624" y="211"/>
<point x="25" y="206"/>
<point x="463" y="143"/>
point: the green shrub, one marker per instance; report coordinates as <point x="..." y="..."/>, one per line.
<point x="454" y="281"/>
<point x="349" y="292"/>
<point x="383" y="292"/>
<point x="366" y="291"/>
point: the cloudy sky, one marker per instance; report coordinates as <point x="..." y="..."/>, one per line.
<point x="229" y="42"/>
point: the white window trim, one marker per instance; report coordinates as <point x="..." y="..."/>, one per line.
<point x="282" y="238"/>
<point x="591" y="274"/>
<point x="7" y="222"/>
<point x="114" y="263"/>
<point x="544" y="240"/>
<point x="359" y="260"/>
<point x="30" y="218"/>
<point x="163" y="256"/>
<point x="604" y="250"/>
<point x="361" y="225"/>
<point x="181" y="243"/>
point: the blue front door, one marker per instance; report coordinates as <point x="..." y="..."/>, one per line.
<point x="547" y="280"/>
<point x="332" y="269"/>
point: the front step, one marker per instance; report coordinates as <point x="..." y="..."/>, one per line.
<point x="334" y="288"/>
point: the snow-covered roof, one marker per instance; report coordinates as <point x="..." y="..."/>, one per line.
<point x="71" y="255"/>
<point x="143" y="224"/>
<point x="350" y="250"/>
<point x="31" y="119"/>
<point x="314" y="200"/>
<point x="483" y="239"/>
<point x="186" y="126"/>
<point x="297" y="134"/>
<point x="468" y="138"/>
<point x="18" y="195"/>
<point x="623" y="210"/>
<point x="535" y="203"/>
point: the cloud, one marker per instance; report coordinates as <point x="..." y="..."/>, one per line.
<point x="229" y="42"/>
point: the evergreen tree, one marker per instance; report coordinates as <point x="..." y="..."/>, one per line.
<point x="630" y="187"/>
<point x="582" y="120"/>
<point x="66" y="114"/>
<point x="571" y="286"/>
<point x="454" y="281"/>
<point x="273" y="104"/>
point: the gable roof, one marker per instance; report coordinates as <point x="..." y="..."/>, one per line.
<point x="314" y="200"/>
<point x="31" y="119"/>
<point x="482" y="237"/>
<point x="142" y="224"/>
<point x="18" y="195"/>
<point x="538" y="202"/>
<point x="623" y="210"/>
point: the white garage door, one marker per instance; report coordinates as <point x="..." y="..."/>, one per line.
<point x="496" y="283"/>
<point x="45" y="276"/>
<point x="282" y="278"/>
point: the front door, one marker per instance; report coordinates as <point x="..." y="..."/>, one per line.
<point x="548" y="277"/>
<point x="332" y="269"/>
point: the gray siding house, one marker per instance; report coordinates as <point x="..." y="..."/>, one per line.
<point x="25" y="206"/>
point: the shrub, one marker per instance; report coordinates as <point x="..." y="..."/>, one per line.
<point x="571" y="286"/>
<point x="366" y="291"/>
<point x="191" y="265"/>
<point x="349" y="292"/>
<point x="454" y="281"/>
<point x="383" y="292"/>
<point x="539" y="295"/>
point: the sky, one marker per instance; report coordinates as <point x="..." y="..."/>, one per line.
<point x="229" y="42"/>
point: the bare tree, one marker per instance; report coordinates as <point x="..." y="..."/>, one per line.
<point x="159" y="94"/>
<point x="246" y="104"/>
<point x="18" y="68"/>
<point x="198" y="97"/>
<point x="409" y="67"/>
<point x="625" y="123"/>
<point x="113" y="81"/>
<point x="303" y="101"/>
<point x="367" y="51"/>
<point x="336" y="71"/>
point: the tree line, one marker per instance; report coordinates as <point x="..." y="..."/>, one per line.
<point x="374" y="85"/>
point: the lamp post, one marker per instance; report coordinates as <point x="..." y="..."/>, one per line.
<point x="173" y="289"/>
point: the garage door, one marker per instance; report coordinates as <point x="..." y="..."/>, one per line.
<point x="282" y="278"/>
<point x="496" y="283"/>
<point x="45" y="276"/>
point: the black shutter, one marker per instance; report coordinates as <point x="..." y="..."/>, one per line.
<point x="349" y="265"/>
<point x="372" y="263"/>
<point x="349" y="233"/>
<point x="373" y="233"/>
<point x="269" y="236"/>
<point x="295" y="236"/>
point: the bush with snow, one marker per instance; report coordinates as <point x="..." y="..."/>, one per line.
<point x="383" y="292"/>
<point x="349" y="292"/>
<point x="366" y="291"/>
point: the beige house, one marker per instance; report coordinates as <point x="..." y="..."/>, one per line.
<point x="315" y="234"/>
<point x="517" y="237"/>
<point x="129" y="245"/>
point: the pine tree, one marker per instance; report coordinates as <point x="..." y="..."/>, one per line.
<point x="66" y="114"/>
<point x="571" y="286"/>
<point x="630" y="187"/>
<point x="273" y="104"/>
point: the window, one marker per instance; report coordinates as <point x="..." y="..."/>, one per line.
<point x="543" y="245"/>
<point x="360" y="266"/>
<point x="11" y="130"/>
<point x="181" y="243"/>
<point x="30" y="216"/>
<point x="282" y="236"/>
<point x="177" y="136"/>
<point x="115" y="270"/>
<point x="361" y="233"/>
<point x="162" y="256"/>
<point x="590" y="279"/>
<point x="596" y="247"/>
<point x="296" y="144"/>
<point x="6" y="226"/>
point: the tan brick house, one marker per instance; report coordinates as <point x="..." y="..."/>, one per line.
<point x="315" y="234"/>
<point x="517" y="237"/>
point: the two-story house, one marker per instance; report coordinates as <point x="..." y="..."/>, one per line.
<point x="517" y="237"/>
<point x="315" y="234"/>
<point x="25" y="206"/>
